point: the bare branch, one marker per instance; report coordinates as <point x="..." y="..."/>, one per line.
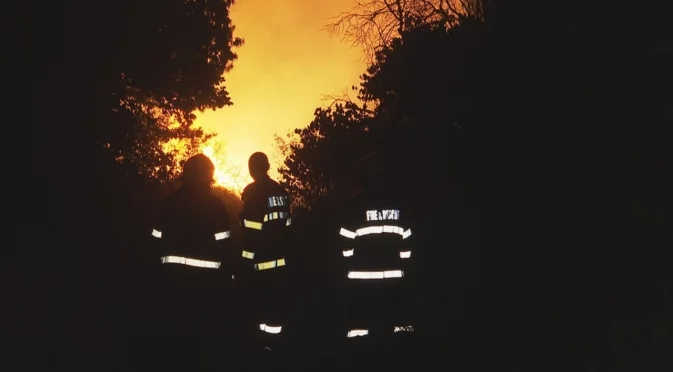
<point x="345" y="99"/>
<point x="373" y="24"/>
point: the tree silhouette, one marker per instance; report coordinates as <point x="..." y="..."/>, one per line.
<point x="419" y="95"/>
<point x="316" y="164"/>
<point x="164" y="62"/>
<point x="374" y="24"/>
<point x="128" y="76"/>
<point x="532" y="148"/>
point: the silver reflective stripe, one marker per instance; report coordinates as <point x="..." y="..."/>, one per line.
<point x="190" y="262"/>
<point x="252" y="224"/>
<point x="222" y="235"/>
<point x="405" y="254"/>
<point x="347" y="233"/>
<point x="348" y="253"/>
<point x="270" y="329"/>
<point x="375" y="274"/>
<point x="403" y="329"/>
<point x="357" y="332"/>
<point x="388" y="229"/>
<point x="156" y="233"/>
<point x="406" y="234"/>
<point x="289" y="221"/>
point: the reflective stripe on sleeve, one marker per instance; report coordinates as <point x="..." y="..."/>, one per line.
<point x="357" y="332"/>
<point x="190" y="262"/>
<point x="222" y="235"/>
<point x="270" y="329"/>
<point x="156" y="233"/>
<point x="348" y="253"/>
<point x="247" y="254"/>
<point x="347" y="233"/>
<point x="405" y="254"/>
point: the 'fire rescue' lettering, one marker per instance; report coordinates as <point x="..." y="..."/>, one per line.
<point x="382" y="215"/>
<point x="277" y="201"/>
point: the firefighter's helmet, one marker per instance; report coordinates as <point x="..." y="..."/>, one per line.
<point x="199" y="168"/>
<point x="258" y="164"/>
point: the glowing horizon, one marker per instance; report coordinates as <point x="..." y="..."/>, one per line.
<point x="286" y="67"/>
<point x="228" y="176"/>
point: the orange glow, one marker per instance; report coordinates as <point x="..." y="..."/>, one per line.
<point x="231" y="177"/>
<point x="287" y="65"/>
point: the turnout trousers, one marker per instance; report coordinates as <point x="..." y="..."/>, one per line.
<point x="377" y="306"/>
<point x="267" y="302"/>
<point x="378" y="316"/>
<point x="193" y="328"/>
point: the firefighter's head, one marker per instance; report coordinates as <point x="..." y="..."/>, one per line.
<point x="374" y="171"/>
<point x="198" y="170"/>
<point x="258" y="165"/>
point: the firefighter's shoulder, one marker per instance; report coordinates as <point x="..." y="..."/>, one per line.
<point x="268" y="185"/>
<point x="249" y="190"/>
<point x="216" y="202"/>
<point x="170" y="203"/>
<point x="276" y="188"/>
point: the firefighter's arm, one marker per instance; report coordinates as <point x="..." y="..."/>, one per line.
<point x="246" y="254"/>
<point x="157" y="234"/>
<point x="408" y="243"/>
<point x="223" y="237"/>
<point x="408" y="247"/>
<point x="289" y="209"/>
<point x="346" y="239"/>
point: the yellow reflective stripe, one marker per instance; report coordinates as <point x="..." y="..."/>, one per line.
<point x="252" y="224"/>
<point x="247" y="254"/>
<point x="265" y="265"/>
<point x="275" y="216"/>
<point x="270" y="264"/>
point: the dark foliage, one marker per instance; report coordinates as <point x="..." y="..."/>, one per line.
<point x="534" y="148"/>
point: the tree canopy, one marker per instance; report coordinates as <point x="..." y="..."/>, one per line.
<point x="531" y="145"/>
<point x="143" y="69"/>
<point x="113" y="84"/>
